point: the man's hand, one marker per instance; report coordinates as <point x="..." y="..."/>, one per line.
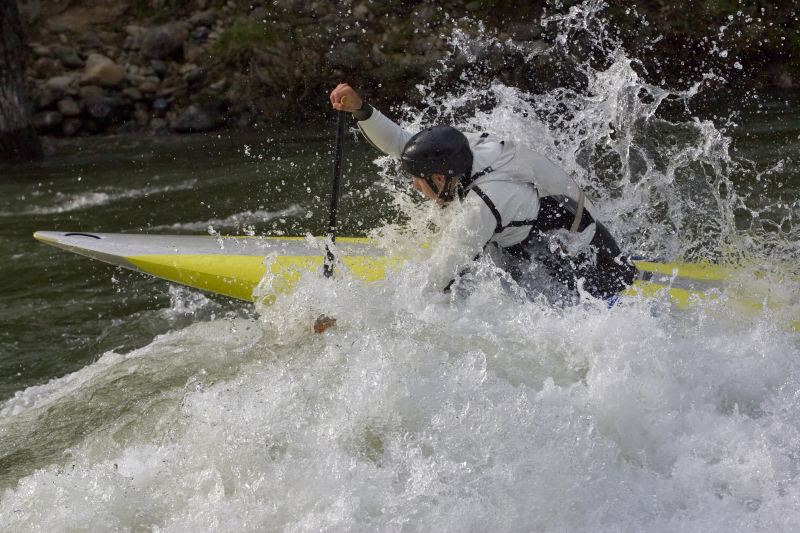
<point x="322" y="323"/>
<point x="345" y="98"/>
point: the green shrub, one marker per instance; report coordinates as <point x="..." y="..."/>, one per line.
<point x="237" y="42"/>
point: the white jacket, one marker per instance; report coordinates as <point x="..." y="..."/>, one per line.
<point x="497" y="204"/>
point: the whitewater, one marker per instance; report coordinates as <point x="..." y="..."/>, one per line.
<point x="479" y="410"/>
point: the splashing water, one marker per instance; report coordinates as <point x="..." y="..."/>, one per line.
<point x="428" y="412"/>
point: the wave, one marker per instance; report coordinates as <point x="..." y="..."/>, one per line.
<point x="65" y="203"/>
<point x="236" y="220"/>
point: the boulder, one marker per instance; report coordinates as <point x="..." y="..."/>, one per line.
<point x="203" y="18"/>
<point x="102" y="71"/>
<point x="141" y="115"/>
<point x="149" y="85"/>
<point x="68" y="56"/>
<point x="69" y="107"/>
<point x="133" y="93"/>
<point x="219" y="86"/>
<point x="47" y="121"/>
<point x="159" y="67"/>
<point x="201" y="34"/>
<point x="92" y="92"/>
<point x="160" y="106"/>
<point x="46" y="67"/>
<point x="98" y="109"/>
<point x="163" y="42"/>
<point x="45" y="96"/>
<point x="90" y="41"/>
<point x="71" y="127"/>
<point x="196" y="119"/>
<point x="133" y="30"/>
<point x="60" y="84"/>
<point x="131" y="43"/>
<point x="40" y="50"/>
<point x="195" y="76"/>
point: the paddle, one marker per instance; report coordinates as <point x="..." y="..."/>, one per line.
<point x="337" y="175"/>
<point x="324" y="322"/>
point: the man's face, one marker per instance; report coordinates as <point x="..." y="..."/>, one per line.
<point x="422" y="186"/>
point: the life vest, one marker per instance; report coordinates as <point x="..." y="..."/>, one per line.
<point x="520" y="165"/>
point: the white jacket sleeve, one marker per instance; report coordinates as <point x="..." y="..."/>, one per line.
<point x="387" y="136"/>
<point x="464" y="237"/>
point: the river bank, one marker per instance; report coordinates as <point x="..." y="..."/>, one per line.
<point x="98" y="66"/>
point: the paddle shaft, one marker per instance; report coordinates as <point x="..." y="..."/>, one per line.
<point x="337" y="177"/>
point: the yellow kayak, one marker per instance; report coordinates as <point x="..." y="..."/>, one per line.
<point x="234" y="266"/>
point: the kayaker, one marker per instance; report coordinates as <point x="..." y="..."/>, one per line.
<point x="512" y="200"/>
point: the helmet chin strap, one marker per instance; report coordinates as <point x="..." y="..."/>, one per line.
<point x="446" y="192"/>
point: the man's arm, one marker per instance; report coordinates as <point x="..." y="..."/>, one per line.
<point x="382" y="132"/>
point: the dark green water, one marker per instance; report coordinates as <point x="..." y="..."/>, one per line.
<point x="59" y="312"/>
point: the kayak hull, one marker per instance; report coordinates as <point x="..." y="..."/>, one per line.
<point x="236" y="266"/>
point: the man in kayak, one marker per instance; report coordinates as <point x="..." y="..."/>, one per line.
<point x="511" y="199"/>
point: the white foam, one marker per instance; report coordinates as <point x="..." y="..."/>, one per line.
<point x="64" y="203"/>
<point x="486" y="413"/>
<point x="243" y="219"/>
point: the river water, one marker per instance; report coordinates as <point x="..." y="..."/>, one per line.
<point x="130" y="404"/>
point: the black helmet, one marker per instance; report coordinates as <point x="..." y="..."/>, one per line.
<point x="438" y="150"/>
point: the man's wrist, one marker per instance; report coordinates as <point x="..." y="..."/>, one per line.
<point x="364" y="113"/>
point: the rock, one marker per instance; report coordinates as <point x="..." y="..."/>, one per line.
<point x="40" y="50"/>
<point x="132" y="43"/>
<point x="68" y="56"/>
<point x="201" y="34"/>
<point x="47" y="121"/>
<point x="71" y="127"/>
<point x="133" y="93"/>
<point x="141" y="115"/>
<point x="45" y="97"/>
<point x="258" y="14"/>
<point x="92" y="92"/>
<point x="160" y="106"/>
<point x="47" y="67"/>
<point x="57" y="25"/>
<point x="97" y="108"/>
<point x="133" y="30"/>
<point x="149" y="85"/>
<point x="219" y="86"/>
<point x="90" y="41"/>
<point x="188" y="67"/>
<point x="100" y="113"/>
<point x="159" y="67"/>
<point x="195" y="75"/>
<point x="69" y="107"/>
<point x="60" y="83"/>
<point x="163" y="41"/>
<point x="29" y="11"/>
<point x="102" y="71"/>
<point x="196" y="119"/>
<point x="166" y="92"/>
<point x="203" y="18"/>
